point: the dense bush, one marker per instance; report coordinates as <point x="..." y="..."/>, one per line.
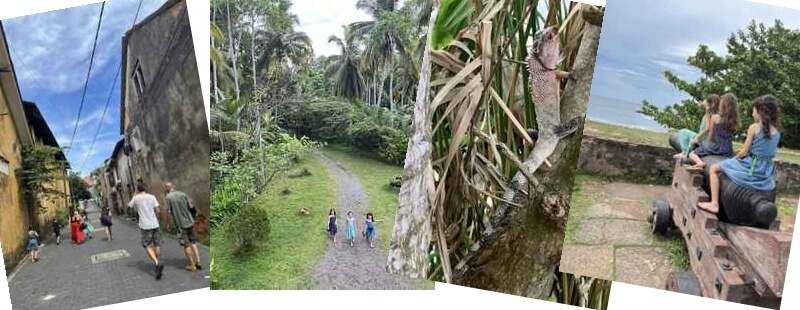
<point x="372" y="130"/>
<point x="248" y="228"/>
<point x="237" y="181"/>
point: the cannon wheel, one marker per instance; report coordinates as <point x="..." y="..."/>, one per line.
<point x="662" y="217"/>
<point x="683" y="282"/>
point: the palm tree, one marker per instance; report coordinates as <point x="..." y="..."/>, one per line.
<point x="379" y="48"/>
<point x="466" y="199"/>
<point x="284" y="47"/>
<point x="343" y="69"/>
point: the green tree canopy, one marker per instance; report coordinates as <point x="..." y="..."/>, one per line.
<point x="761" y="60"/>
<point x="78" y="187"/>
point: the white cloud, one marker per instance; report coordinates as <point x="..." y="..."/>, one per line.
<point x="52" y="50"/>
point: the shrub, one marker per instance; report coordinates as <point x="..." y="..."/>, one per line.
<point x="393" y="147"/>
<point x="396" y="181"/>
<point x="248" y="228"/>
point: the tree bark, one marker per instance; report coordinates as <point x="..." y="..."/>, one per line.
<point x="408" y="254"/>
<point x="253" y="46"/>
<point x="521" y="255"/>
<point x="213" y="64"/>
<point x="233" y="60"/>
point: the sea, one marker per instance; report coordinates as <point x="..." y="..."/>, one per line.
<point x="620" y="112"/>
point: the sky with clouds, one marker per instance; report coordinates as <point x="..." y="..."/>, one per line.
<point x="640" y="39"/>
<point x="322" y="18"/>
<point x="51" y="53"/>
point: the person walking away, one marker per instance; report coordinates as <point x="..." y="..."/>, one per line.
<point x="105" y="220"/>
<point x="88" y="228"/>
<point x="180" y="206"/>
<point x="57" y="230"/>
<point x="33" y="244"/>
<point x="332" y="225"/>
<point x="146" y="206"/>
<point x="753" y="166"/>
<point x="75" y="228"/>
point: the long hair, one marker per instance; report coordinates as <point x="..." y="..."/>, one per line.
<point x="713" y="104"/>
<point x="728" y="113"/>
<point x="768" y="109"/>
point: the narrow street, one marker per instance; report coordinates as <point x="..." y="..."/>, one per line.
<point x="100" y="272"/>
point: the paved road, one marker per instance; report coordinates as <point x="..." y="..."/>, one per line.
<point x="65" y="277"/>
<point x="359" y="267"/>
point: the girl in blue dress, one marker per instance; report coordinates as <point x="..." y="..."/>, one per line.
<point x="722" y="126"/>
<point x="351" y="228"/>
<point x="369" y="229"/>
<point x="752" y="167"/>
<point x="33" y="244"/>
<point x="690" y="139"/>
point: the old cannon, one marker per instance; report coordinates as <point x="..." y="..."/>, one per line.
<point x="738" y="255"/>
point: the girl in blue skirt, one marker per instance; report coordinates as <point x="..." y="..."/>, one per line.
<point x="753" y="165"/>
<point x="351" y="228"/>
<point x="369" y="229"/>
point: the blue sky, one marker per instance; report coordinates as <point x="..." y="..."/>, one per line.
<point x="640" y="39"/>
<point x="51" y="54"/>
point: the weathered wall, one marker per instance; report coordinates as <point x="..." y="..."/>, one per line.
<point x="167" y="127"/>
<point x="13" y="217"/>
<point x="615" y="158"/>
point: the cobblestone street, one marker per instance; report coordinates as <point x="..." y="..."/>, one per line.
<point x="66" y="276"/>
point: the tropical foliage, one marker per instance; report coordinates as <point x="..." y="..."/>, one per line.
<point x="38" y="174"/>
<point x="760" y="60"/>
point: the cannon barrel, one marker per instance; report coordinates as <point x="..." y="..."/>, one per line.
<point x="738" y="205"/>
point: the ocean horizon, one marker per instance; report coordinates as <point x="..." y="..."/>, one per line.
<point x="620" y="112"/>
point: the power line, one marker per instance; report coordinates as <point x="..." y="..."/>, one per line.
<point x="110" y="92"/>
<point x="88" y="74"/>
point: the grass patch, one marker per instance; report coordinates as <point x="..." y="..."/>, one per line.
<point x="643" y="136"/>
<point x="677" y="253"/>
<point x="295" y="243"/>
<point x="581" y="201"/>
<point x="374" y="176"/>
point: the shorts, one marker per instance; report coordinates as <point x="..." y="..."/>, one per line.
<point x="187" y="236"/>
<point x="152" y="237"/>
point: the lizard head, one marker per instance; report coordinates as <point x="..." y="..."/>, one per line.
<point x="546" y="46"/>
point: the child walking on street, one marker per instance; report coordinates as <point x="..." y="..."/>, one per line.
<point x="369" y="229"/>
<point x="57" y="230"/>
<point x="351" y="228"/>
<point x="332" y="225"/>
<point x="33" y="244"/>
<point x="105" y="220"/>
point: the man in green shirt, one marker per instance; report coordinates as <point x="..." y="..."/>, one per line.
<point x="179" y="205"/>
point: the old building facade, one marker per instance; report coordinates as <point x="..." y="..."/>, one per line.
<point x="21" y="124"/>
<point x="162" y="115"/>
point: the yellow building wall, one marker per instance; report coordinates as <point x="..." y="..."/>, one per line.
<point x="12" y="213"/>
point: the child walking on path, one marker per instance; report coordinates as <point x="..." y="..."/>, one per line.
<point x="332" y="225"/>
<point x="752" y="167"/>
<point x="33" y="244"/>
<point x="721" y="130"/>
<point x="105" y="220"/>
<point x="57" y="230"/>
<point x="690" y="139"/>
<point x="369" y="229"/>
<point x="351" y="228"/>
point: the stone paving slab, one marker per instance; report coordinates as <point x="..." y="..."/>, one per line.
<point x="588" y="260"/>
<point x="645" y="266"/>
<point x="65" y="278"/>
<point x="614" y="231"/>
<point x="637" y="192"/>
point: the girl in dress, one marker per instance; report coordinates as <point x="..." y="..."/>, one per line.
<point x="721" y="130"/>
<point x="105" y="220"/>
<point x="369" y="229"/>
<point x="33" y="244"/>
<point x="690" y="139"/>
<point x="75" y="228"/>
<point x="351" y="228"/>
<point x="332" y="225"/>
<point x="752" y="167"/>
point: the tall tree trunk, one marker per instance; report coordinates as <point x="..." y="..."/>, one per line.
<point x="233" y="60"/>
<point x="533" y="231"/>
<point x="214" y="64"/>
<point x="391" y="75"/>
<point x="253" y="47"/>
<point x="408" y="254"/>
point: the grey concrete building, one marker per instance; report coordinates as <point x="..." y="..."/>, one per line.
<point x="162" y="115"/>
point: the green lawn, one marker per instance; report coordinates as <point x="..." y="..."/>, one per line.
<point x="295" y="242"/>
<point x="374" y="176"/>
<point x="643" y="136"/>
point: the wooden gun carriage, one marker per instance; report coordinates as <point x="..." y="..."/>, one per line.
<point x="738" y="255"/>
